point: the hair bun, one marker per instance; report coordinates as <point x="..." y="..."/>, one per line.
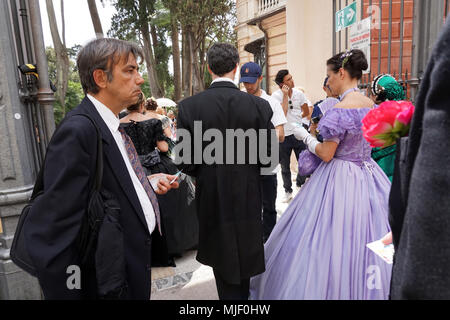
<point x="358" y="60"/>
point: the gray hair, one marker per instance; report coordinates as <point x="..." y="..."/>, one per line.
<point x="103" y="54"/>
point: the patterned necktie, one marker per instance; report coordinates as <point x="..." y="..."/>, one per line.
<point x="140" y="173"/>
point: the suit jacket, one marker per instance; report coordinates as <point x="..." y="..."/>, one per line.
<point x="55" y="219"/>
<point x="420" y="196"/>
<point x="228" y="195"/>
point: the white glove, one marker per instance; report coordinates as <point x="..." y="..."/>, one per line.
<point x="302" y="134"/>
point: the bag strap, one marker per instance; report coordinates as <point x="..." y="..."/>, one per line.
<point x="39" y="184"/>
<point x="99" y="161"/>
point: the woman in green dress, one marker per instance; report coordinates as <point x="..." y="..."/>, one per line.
<point x="383" y="88"/>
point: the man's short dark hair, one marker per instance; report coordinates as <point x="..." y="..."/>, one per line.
<point x="222" y="58"/>
<point x="103" y="54"/>
<point x="280" y="76"/>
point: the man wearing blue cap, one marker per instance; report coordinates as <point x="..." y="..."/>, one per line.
<point x="251" y="77"/>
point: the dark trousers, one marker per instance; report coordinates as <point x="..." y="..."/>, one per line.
<point x="290" y="143"/>
<point x="269" y="197"/>
<point x="228" y="291"/>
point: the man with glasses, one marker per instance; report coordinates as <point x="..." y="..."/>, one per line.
<point x="296" y="108"/>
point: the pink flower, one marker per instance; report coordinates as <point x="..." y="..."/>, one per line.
<point x="384" y="125"/>
<point x="406" y="115"/>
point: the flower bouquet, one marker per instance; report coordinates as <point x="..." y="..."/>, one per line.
<point x="382" y="126"/>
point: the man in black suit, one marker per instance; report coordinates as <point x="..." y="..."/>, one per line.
<point x="228" y="192"/>
<point x="420" y="200"/>
<point x="109" y="75"/>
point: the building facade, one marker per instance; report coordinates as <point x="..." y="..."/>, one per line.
<point x="301" y="35"/>
<point x="261" y="33"/>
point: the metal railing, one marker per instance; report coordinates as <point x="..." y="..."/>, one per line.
<point x="392" y="55"/>
<point x="266" y="6"/>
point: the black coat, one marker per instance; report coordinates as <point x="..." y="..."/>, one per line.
<point x="56" y="217"/>
<point x="228" y="195"/>
<point x="420" y="196"/>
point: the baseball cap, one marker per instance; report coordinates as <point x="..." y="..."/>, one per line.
<point x="250" y="72"/>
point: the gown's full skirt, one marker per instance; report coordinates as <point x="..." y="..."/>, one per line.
<point x="317" y="249"/>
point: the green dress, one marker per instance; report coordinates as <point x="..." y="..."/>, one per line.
<point x="386" y="159"/>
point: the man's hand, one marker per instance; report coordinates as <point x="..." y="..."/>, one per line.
<point x="306" y="111"/>
<point x="285" y="89"/>
<point x="387" y="239"/>
<point x="313" y="129"/>
<point x="163" y="184"/>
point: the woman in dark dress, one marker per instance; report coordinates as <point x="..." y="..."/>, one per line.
<point x="178" y="211"/>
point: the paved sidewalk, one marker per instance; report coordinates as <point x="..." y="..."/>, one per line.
<point x="191" y="280"/>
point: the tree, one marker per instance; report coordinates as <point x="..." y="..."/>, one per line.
<point x="95" y="19"/>
<point x="176" y="54"/>
<point x="75" y="92"/>
<point x="131" y="22"/>
<point x="203" y="22"/>
<point x="62" y="59"/>
<point x="176" y="58"/>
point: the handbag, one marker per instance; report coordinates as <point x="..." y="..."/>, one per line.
<point x="19" y="253"/>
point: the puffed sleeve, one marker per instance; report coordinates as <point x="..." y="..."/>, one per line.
<point x="337" y="122"/>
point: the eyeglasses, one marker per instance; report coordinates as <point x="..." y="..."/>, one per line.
<point x="291" y="105"/>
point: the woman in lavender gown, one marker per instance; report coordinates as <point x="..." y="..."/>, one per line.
<point x="318" y="248"/>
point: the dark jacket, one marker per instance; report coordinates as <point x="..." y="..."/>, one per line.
<point x="228" y="195"/>
<point x="420" y="196"/>
<point x="56" y="217"/>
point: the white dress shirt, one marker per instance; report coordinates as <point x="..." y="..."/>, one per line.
<point x="293" y="115"/>
<point x="278" y="117"/>
<point x="113" y="124"/>
<point x="223" y="79"/>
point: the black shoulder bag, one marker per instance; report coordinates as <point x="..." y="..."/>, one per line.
<point x="100" y="239"/>
<point x="19" y="253"/>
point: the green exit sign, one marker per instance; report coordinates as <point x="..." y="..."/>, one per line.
<point x="346" y="17"/>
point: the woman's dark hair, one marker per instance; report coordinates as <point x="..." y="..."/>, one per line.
<point x="136" y="107"/>
<point x="151" y="104"/>
<point x="222" y="58"/>
<point x="354" y="61"/>
<point x="280" y="76"/>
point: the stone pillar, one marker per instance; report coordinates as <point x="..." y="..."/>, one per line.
<point x="18" y="136"/>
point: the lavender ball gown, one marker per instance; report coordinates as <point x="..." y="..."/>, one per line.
<point x="317" y="249"/>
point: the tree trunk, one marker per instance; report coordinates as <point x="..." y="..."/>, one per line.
<point x="196" y="83"/>
<point x="176" y="59"/>
<point x="95" y="19"/>
<point x="151" y="65"/>
<point x="63" y="22"/>
<point x="191" y="63"/>
<point x="186" y="65"/>
<point x="202" y="60"/>
<point x="154" y="41"/>
<point x="62" y="59"/>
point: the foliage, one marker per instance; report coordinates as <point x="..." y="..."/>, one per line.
<point x="209" y="21"/>
<point x="75" y="92"/>
<point x="131" y="17"/>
